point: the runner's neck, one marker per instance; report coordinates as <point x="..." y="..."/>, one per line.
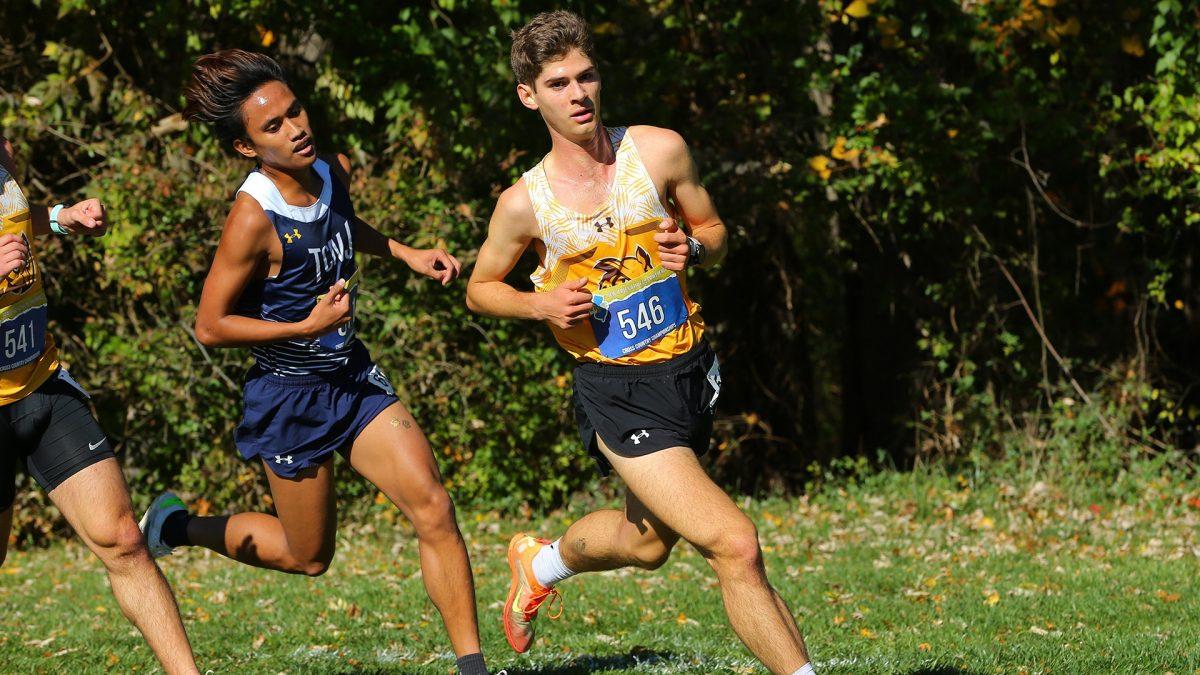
<point x="589" y="161"/>
<point x="298" y="188"/>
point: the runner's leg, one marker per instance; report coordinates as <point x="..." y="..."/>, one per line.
<point x="300" y="540"/>
<point x="95" y="501"/>
<point x="5" y="532"/>
<point x="395" y="456"/>
<point x="614" y="538"/>
<point x="727" y="538"/>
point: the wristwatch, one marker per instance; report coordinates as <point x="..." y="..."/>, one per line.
<point x="696" y="252"/>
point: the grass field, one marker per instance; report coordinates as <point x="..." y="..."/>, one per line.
<point x="897" y="574"/>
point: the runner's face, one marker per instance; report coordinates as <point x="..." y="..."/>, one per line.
<point x="277" y="131"/>
<point x="567" y="94"/>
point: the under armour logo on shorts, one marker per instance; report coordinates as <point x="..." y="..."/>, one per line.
<point x="639" y="437"/>
<point x="281" y="460"/>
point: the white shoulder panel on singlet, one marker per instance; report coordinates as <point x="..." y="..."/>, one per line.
<point x="263" y="190"/>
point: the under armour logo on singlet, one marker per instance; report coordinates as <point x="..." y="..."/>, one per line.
<point x="639" y="437"/>
<point x="281" y="460"/>
<point x="608" y="222"/>
<point x="294" y="235"/>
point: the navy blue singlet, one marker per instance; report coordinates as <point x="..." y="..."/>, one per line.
<point x="318" y="249"/>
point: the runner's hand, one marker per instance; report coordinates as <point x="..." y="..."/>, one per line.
<point x="88" y="218"/>
<point x="14" y="254"/>
<point x="434" y="263"/>
<point x="672" y="245"/>
<point x="332" y="311"/>
<point x="565" y="306"/>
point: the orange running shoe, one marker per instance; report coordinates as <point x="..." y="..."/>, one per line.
<point x="525" y="595"/>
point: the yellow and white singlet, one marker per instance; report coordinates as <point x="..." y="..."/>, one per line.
<point x="642" y="313"/>
<point x="28" y="356"/>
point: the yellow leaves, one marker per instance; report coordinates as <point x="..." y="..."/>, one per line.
<point x="1132" y="45"/>
<point x="839" y="619"/>
<point x="855" y="9"/>
<point x="1166" y="597"/>
<point x="858" y="9"/>
<point x="560" y="381"/>
<point x="820" y="166"/>
<point x="266" y="37"/>
<point x="683" y="620"/>
<point x="991" y="598"/>
<point x="1178" y="304"/>
<point x="924" y="646"/>
<point x="952" y="133"/>
<point x="1047" y="3"/>
<point x="380" y="499"/>
<point x="867" y="633"/>
<point x="986" y="523"/>
<point x="840" y="152"/>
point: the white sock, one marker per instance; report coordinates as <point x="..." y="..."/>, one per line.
<point x="548" y="565"/>
<point x="805" y="669"/>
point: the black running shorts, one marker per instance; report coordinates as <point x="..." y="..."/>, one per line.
<point x="53" y="432"/>
<point x="639" y="410"/>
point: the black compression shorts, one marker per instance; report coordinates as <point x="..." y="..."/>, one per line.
<point x="53" y="432"/>
<point x="639" y="410"/>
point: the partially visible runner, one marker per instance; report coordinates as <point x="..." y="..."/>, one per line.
<point x="46" y="423"/>
<point x="284" y="283"/>
<point x="612" y="285"/>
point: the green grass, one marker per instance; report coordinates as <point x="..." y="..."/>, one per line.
<point x="903" y="573"/>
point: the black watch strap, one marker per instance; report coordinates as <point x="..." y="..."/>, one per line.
<point x="696" y="252"/>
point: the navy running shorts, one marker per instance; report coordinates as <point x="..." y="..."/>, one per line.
<point x="639" y="410"/>
<point x="53" y="432"/>
<point x="296" y="422"/>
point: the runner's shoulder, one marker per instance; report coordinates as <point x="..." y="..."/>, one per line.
<point x="657" y="141"/>
<point x="514" y="209"/>
<point x="247" y="222"/>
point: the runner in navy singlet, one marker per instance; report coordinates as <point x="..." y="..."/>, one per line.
<point x="283" y="283"/>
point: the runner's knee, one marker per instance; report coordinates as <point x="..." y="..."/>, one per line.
<point x="312" y="566"/>
<point x="737" y="549"/>
<point x="433" y="514"/>
<point x="315" y="568"/>
<point x="119" y="544"/>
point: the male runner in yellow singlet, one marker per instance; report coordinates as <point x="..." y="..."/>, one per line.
<point x="47" y="425"/>
<point x="604" y="211"/>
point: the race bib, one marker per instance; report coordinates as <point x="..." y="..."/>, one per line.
<point x="338" y="339"/>
<point x="22" y="338"/>
<point x="631" y="316"/>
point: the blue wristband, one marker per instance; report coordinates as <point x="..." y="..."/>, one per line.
<point x="54" y="226"/>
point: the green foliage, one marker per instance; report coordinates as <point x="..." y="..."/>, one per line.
<point x="906" y="185"/>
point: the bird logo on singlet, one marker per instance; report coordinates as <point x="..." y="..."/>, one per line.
<point x="21" y="279"/>
<point x="294" y="235"/>
<point x="619" y="270"/>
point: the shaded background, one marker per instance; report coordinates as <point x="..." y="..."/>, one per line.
<point x="960" y="230"/>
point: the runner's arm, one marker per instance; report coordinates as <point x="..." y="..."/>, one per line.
<point x="510" y="233"/>
<point x="434" y="263"/>
<point x="86" y="217"/>
<point x="670" y="153"/>
<point x="241" y="254"/>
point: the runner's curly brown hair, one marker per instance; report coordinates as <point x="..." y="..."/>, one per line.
<point x="548" y="37"/>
